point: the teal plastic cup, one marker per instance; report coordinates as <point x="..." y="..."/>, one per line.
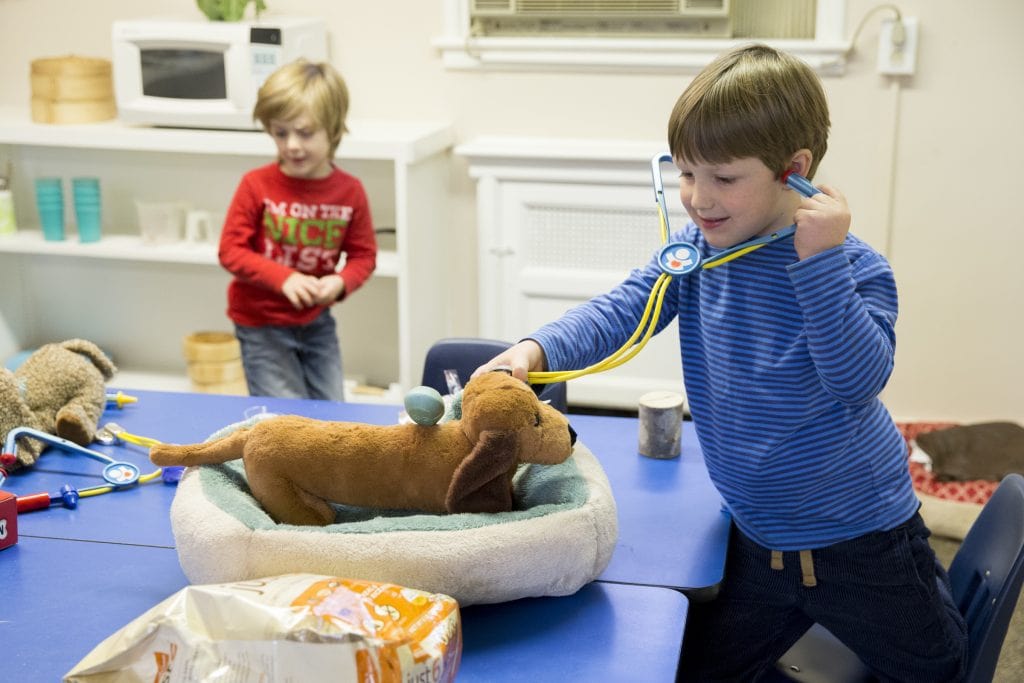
<point x="89" y="228"/>
<point x="50" y="184"/>
<point x="85" y="189"/>
<point x="49" y="188"/>
<point x="52" y="222"/>
<point x="50" y="203"/>
<point x="85" y="183"/>
<point x="87" y="198"/>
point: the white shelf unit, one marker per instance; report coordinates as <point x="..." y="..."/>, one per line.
<point x="560" y="221"/>
<point x="139" y="300"/>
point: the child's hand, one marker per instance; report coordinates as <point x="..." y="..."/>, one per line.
<point x="331" y="287"/>
<point x="301" y="290"/>
<point x="526" y="356"/>
<point x="822" y="222"/>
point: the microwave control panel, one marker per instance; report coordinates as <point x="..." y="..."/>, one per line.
<point x="265" y="50"/>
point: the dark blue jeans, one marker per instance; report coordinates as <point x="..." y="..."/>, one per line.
<point x="301" y="361"/>
<point x="883" y="594"/>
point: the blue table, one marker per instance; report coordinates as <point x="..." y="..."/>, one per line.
<point x="76" y="576"/>
<point x="63" y="597"/>
<point x="672" y="529"/>
<point x="604" y="632"/>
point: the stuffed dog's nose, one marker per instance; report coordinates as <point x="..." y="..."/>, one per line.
<point x="572" y="435"/>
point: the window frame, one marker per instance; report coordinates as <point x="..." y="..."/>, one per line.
<point x="826" y="52"/>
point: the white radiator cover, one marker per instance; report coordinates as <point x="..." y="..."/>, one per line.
<point x="561" y="221"/>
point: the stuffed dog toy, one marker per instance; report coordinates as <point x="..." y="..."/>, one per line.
<point x="297" y="466"/>
<point x="60" y="389"/>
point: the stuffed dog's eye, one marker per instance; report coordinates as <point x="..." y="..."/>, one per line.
<point x="536" y="419"/>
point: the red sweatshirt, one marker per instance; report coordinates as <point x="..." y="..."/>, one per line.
<point x="277" y="225"/>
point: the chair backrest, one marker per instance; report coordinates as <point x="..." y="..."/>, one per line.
<point x="986" y="575"/>
<point x="466" y="354"/>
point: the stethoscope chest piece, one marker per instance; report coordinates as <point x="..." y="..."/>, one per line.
<point x="119" y="473"/>
<point x="679" y="258"/>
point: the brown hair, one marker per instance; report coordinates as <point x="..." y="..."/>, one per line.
<point x="304" y="87"/>
<point x="753" y="101"/>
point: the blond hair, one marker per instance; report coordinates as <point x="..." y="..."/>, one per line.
<point x="753" y="101"/>
<point x="304" y="87"/>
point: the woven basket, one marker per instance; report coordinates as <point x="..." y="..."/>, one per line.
<point x="72" y="90"/>
<point x="215" y="363"/>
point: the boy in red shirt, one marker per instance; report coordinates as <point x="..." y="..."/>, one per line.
<point x="289" y="226"/>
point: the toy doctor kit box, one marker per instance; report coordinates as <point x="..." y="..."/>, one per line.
<point x="8" y="520"/>
<point x="295" y="627"/>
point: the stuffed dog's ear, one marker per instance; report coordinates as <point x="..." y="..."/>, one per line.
<point x="481" y="482"/>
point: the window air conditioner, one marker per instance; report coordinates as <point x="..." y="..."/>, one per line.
<point x="662" y="18"/>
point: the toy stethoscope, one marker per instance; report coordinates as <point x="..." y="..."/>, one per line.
<point x="117" y="474"/>
<point x="674" y="258"/>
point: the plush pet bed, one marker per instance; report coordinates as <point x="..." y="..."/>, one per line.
<point x="559" y="537"/>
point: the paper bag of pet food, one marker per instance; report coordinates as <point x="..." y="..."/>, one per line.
<point x="296" y="627"/>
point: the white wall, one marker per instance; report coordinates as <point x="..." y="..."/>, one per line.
<point x="956" y="232"/>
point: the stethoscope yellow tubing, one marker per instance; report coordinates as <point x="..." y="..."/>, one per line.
<point x="144" y="441"/>
<point x="98" y="490"/>
<point x="137" y="440"/>
<point x="627" y="351"/>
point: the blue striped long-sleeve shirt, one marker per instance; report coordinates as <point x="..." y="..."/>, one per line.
<point x="783" y="361"/>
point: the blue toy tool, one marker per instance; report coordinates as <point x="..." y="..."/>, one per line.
<point x="117" y="474"/>
<point x="794" y="180"/>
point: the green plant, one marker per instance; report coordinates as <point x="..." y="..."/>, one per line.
<point x="228" y="10"/>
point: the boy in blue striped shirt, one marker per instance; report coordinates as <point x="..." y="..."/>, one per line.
<point x="785" y="351"/>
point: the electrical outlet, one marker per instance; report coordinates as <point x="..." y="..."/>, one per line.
<point x="893" y="59"/>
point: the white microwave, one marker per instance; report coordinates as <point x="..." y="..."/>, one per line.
<point x="204" y="74"/>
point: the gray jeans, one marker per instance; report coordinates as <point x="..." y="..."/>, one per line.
<point x="301" y="361"/>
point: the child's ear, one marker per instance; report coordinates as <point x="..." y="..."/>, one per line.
<point x="800" y="162"/>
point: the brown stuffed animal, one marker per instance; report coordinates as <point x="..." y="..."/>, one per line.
<point x="59" y="389"/>
<point x="297" y="465"/>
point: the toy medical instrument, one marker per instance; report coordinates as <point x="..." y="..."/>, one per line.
<point x="120" y="400"/>
<point x="117" y="474"/>
<point x="674" y="258"/>
<point x="112" y="433"/>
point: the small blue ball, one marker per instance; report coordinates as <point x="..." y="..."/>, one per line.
<point x="424" y="405"/>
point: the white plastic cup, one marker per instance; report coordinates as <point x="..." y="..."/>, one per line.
<point x="199" y="227"/>
<point x="161" y="222"/>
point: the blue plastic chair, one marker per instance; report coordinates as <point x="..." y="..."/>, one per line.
<point x="985" y="575"/>
<point x="466" y="354"/>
